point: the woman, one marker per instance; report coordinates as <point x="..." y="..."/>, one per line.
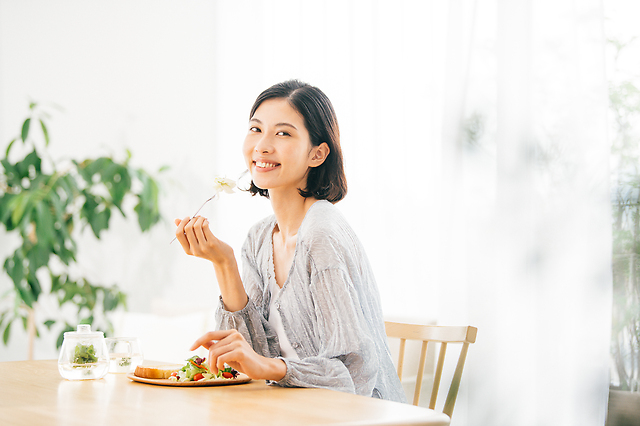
<point x="306" y="312"/>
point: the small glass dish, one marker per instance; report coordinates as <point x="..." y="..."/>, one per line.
<point x="125" y="354"/>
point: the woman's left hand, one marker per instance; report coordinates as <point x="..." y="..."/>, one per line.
<point x="229" y="347"/>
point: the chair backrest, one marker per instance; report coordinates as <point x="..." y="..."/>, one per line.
<point x="437" y="334"/>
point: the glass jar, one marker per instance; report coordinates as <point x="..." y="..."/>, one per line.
<point x="83" y="355"/>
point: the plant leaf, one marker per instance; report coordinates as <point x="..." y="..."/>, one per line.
<point x="69" y="289"/>
<point x="56" y="283"/>
<point x="100" y="221"/>
<point x="38" y="256"/>
<point x="96" y="213"/>
<point x="34" y="284"/>
<point x="19" y="204"/>
<point x="11" y="174"/>
<point x="44" y="223"/>
<point x="147" y="207"/>
<point x="30" y="165"/>
<point x="61" y="335"/>
<point x="45" y="132"/>
<point x="87" y="320"/>
<point x="7" y="333"/>
<point x="25" y="295"/>
<point x="110" y="301"/>
<point x="5" y="210"/>
<point x="6" y="154"/>
<point x="25" y="129"/>
<point x="49" y="324"/>
<point x="118" y="181"/>
<point x="14" y="267"/>
<point x="88" y="168"/>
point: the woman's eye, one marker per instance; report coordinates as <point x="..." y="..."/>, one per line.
<point x="281" y="133"/>
<point x="254" y="129"/>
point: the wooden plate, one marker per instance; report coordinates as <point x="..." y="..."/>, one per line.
<point x="242" y="378"/>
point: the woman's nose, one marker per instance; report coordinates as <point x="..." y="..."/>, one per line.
<point x="264" y="145"/>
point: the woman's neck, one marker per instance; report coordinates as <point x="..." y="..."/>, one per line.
<point x="290" y="210"/>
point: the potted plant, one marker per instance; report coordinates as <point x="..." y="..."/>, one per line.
<point x="47" y="204"/>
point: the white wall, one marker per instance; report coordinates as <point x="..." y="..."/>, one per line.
<point x="128" y="75"/>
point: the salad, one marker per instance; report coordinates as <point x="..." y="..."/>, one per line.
<point x="198" y="369"/>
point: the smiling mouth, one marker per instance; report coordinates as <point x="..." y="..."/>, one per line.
<point x="265" y="165"/>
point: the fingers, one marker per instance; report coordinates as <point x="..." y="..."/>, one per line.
<point x="231" y="356"/>
<point x="180" y="234"/>
<point x="225" y="346"/>
<point x="193" y="233"/>
<point x="228" y="350"/>
<point x="208" y="338"/>
<point x="198" y="231"/>
<point x="190" y="233"/>
<point x="207" y="232"/>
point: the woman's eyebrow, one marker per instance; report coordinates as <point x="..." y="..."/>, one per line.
<point x="278" y="124"/>
<point x="287" y="124"/>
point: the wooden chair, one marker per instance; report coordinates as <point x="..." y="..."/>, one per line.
<point x="432" y="333"/>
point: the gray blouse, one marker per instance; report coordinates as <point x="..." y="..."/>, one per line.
<point x="329" y="305"/>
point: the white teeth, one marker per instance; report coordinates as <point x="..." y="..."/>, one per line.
<point x="264" y="165"/>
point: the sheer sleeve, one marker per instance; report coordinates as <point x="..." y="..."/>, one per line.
<point x="346" y="357"/>
<point x="251" y="321"/>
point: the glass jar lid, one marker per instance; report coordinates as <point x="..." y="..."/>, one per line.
<point x="83" y="331"/>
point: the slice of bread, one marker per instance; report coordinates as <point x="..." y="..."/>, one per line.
<point x="156" y="371"/>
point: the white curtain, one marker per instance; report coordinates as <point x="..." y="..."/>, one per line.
<point x="534" y="188"/>
<point x="477" y="157"/>
<point x="476" y="152"/>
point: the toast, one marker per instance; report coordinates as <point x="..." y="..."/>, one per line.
<point x="156" y="371"/>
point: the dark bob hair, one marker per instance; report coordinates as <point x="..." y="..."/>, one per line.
<point x="327" y="181"/>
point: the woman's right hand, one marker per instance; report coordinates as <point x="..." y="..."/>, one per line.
<point x="230" y="347"/>
<point x="197" y="240"/>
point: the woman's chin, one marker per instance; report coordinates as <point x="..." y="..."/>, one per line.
<point x="260" y="185"/>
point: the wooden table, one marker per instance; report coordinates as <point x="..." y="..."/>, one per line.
<point x="34" y="393"/>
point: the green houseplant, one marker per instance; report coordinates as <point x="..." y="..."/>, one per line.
<point x="47" y="205"/>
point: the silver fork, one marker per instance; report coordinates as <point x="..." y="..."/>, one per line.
<point x="211" y="198"/>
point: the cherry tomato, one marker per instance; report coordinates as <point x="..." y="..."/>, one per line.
<point x="174" y="374"/>
<point x="197" y="377"/>
<point x="227" y="375"/>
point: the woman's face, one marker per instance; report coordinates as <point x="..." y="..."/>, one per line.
<point x="277" y="149"/>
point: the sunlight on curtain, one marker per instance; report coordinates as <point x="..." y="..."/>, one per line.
<point x="477" y="158"/>
<point x="533" y="185"/>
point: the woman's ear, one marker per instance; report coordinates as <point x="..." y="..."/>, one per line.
<point x="321" y="153"/>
